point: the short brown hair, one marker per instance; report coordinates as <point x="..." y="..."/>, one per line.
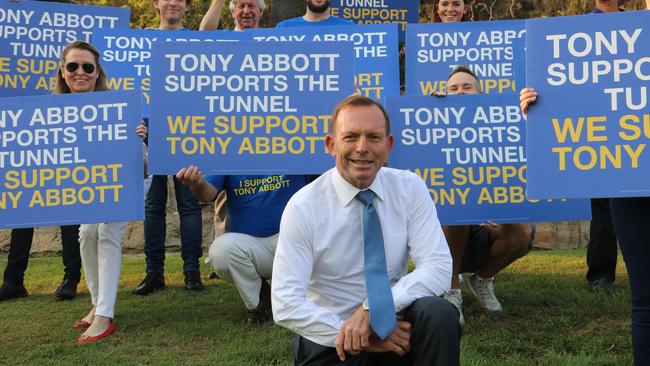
<point x="61" y="87"/>
<point x="356" y="100"/>
<point x="466" y="70"/>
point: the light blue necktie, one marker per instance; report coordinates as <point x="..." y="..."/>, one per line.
<point x="380" y="297"/>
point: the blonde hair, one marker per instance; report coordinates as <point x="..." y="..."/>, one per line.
<point x="61" y="87"/>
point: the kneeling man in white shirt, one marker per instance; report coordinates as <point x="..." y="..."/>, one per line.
<point x="340" y="274"/>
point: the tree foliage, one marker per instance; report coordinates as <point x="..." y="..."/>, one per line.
<point x="144" y="15"/>
<point x="522" y="9"/>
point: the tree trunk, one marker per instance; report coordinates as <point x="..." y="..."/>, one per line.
<point x="285" y="9"/>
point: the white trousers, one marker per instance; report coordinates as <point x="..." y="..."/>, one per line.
<point x="244" y="260"/>
<point x="101" y="256"/>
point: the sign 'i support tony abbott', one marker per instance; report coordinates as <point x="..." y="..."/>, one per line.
<point x="246" y="107"/>
<point x="400" y="12"/>
<point x="33" y="34"/>
<point x="589" y="130"/>
<point x="469" y="149"/>
<point x="70" y="159"/>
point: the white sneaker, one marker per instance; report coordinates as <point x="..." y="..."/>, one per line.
<point x="455" y="296"/>
<point x="483" y="289"/>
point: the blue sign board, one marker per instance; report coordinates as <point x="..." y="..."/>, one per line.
<point x="398" y="12"/>
<point x="126" y="54"/>
<point x="589" y="131"/>
<point x="470" y="151"/>
<point x="376" y="52"/>
<point x="246" y="107"/>
<point x="494" y="51"/>
<point x="70" y="159"/>
<point x="33" y="34"/>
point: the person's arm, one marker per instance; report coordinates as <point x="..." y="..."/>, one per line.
<point x="193" y="178"/>
<point x="145" y="156"/>
<point x="292" y="270"/>
<point x="142" y="131"/>
<point x="647" y="4"/>
<point x="427" y="247"/>
<point x="527" y="96"/>
<point x="211" y="18"/>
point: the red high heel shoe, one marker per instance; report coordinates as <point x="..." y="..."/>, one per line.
<point x="89" y="339"/>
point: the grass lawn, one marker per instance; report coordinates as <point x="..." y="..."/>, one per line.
<point x="550" y="317"/>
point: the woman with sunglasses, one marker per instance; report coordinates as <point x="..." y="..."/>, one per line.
<point x="100" y="244"/>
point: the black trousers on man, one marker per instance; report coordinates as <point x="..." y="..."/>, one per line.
<point x="435" y="340"/>
<point x="602" y="250"/>
<point x="21" y="243"/>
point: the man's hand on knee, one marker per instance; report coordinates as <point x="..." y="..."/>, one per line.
<point x="399" y="341"/>
<point x="354" y="335"/>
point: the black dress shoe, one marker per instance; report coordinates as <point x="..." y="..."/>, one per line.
<point x="12" y="291"/>
<point x="67" y="290"/>
<point x="262" y="313"/>
<point x="193" y="281"/>
<point x="603" y="285"/>
<point x="153" y="282"/>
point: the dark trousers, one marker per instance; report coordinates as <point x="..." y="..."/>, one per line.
<point x="602" y="248"/>
<point x="155" y="225"/>
<point x="21" y="243"/>
<point x="632" y="221"/>
<point x="435" y="340"/>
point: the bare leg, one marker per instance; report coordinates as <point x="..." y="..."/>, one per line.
<point x="90" y="317"/>
<point x="98" y="326"/>
<point x="512" y="241"/>
<point x="457" y="237"/>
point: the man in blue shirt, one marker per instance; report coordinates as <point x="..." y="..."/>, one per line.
<point x="171" y="13"/>
<point x="245" y="254"/>
<point x="318" y="13"/>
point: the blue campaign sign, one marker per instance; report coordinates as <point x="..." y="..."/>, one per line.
<point x="495" y="51"/>
<point x="398" y="12"/>
<point x="33" y="34"/>
<point x="70" y="159"/>
<point x="126" y="54"/>
<point x="246" y="107"/>
<point x="469" y="149"/>
<point x="589" y="130"/>
<point x="376" y="52"/>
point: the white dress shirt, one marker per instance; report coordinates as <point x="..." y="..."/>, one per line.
<point x="318" y="273"/>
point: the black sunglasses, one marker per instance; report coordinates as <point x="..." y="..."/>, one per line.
<point x="73" y="66"/>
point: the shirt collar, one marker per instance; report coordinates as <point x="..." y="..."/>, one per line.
<point x="346" y="191"/>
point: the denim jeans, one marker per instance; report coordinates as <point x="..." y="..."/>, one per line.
<point x="631" y="218"/>
<point x="155" y="225"/>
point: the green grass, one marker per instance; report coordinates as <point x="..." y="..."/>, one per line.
<point x="550" y="318"/>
